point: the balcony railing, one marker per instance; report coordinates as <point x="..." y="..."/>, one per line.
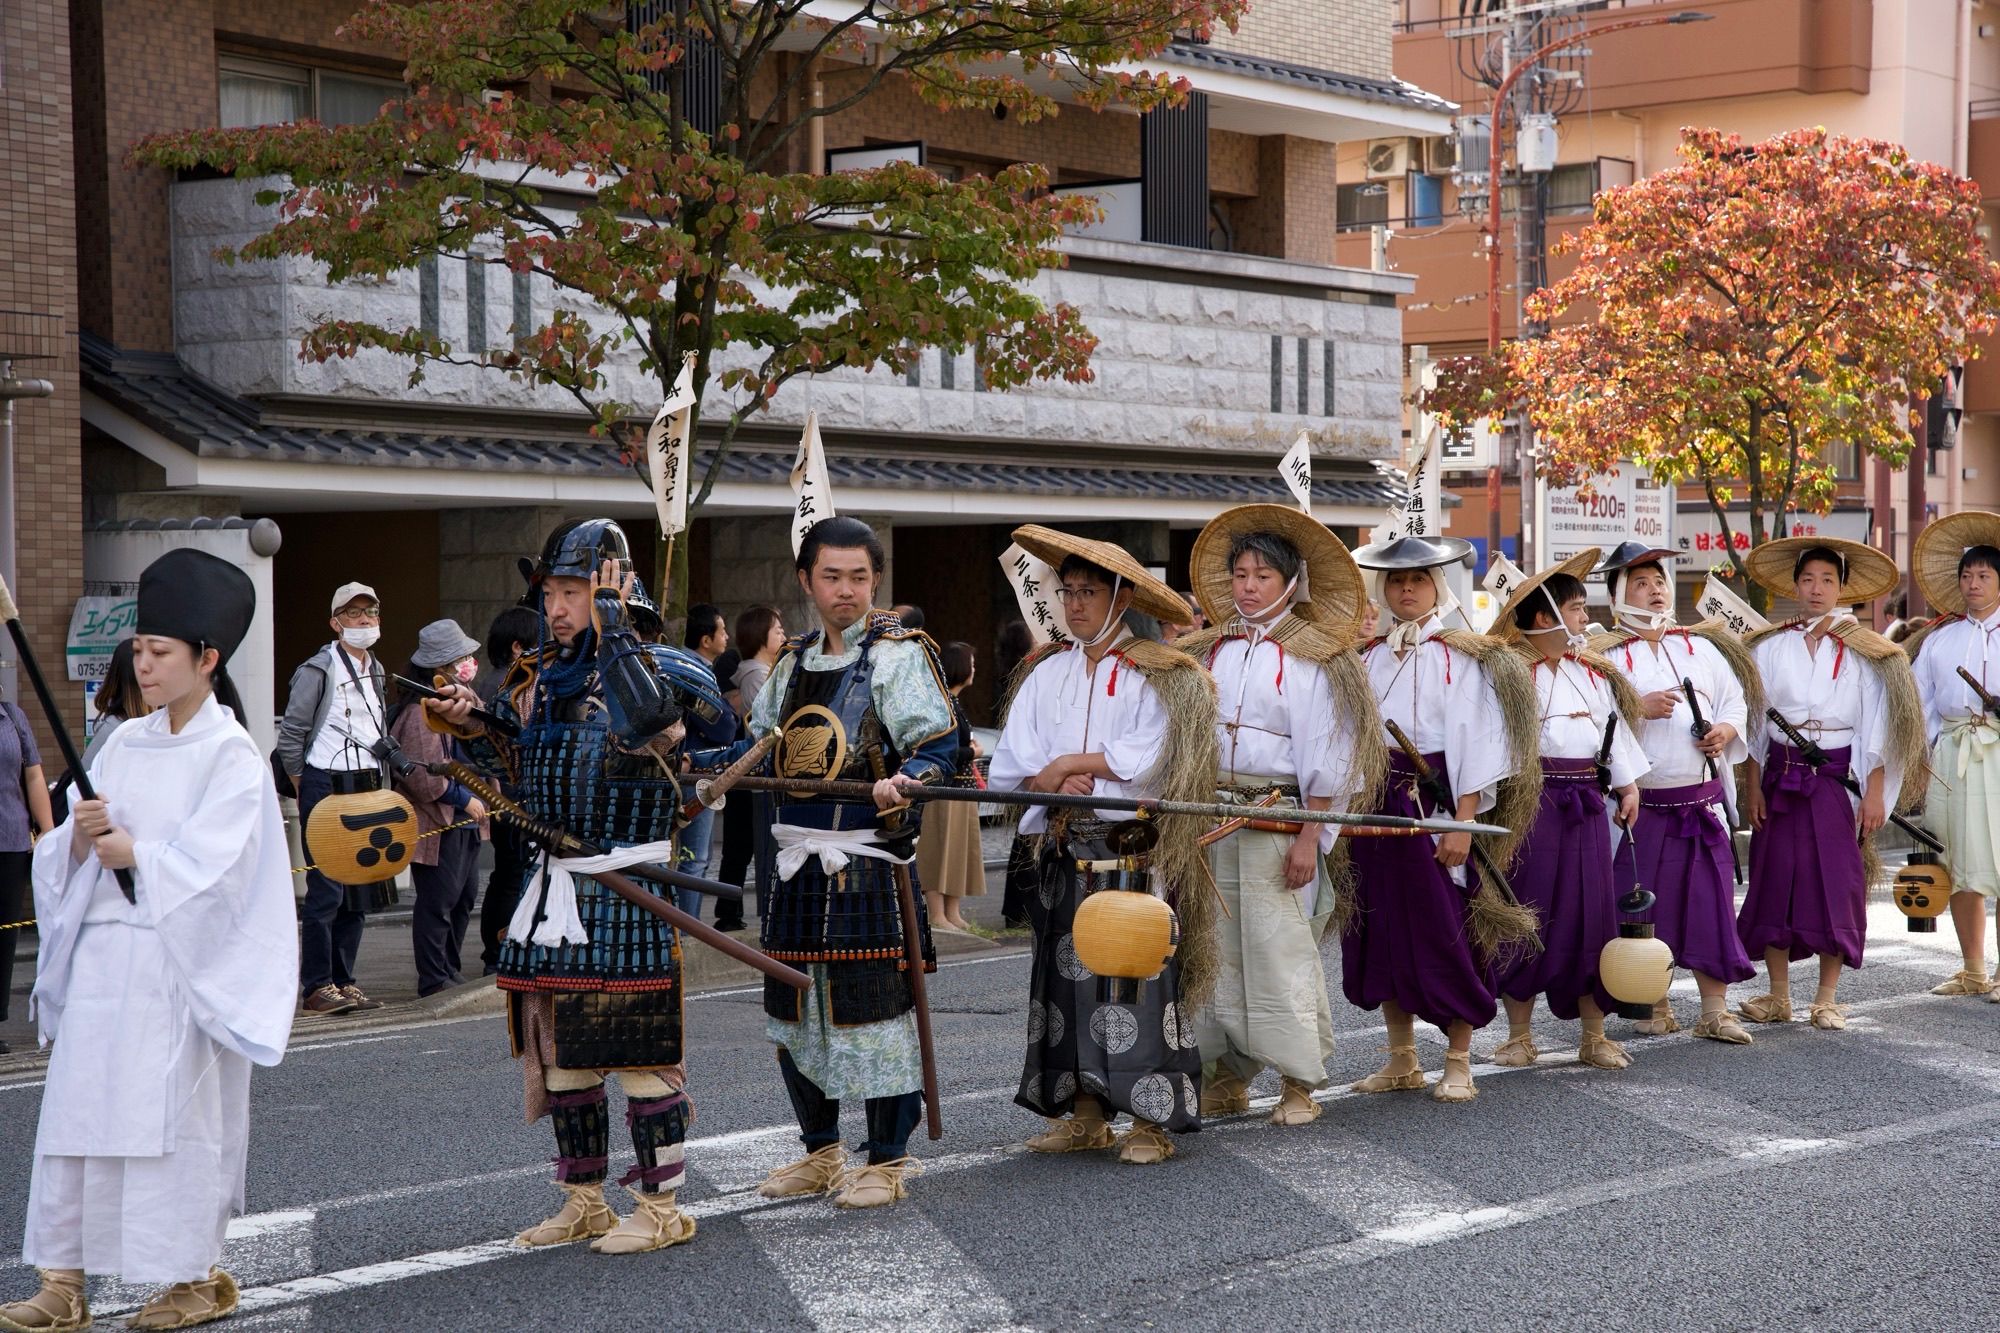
<point x="1195" y="349"/>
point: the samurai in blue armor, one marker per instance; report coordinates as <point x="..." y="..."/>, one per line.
<point x="594" y="982"/>
<point x="859" y="699"/>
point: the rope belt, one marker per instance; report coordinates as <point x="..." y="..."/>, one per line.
<point x="1247" y="791"/>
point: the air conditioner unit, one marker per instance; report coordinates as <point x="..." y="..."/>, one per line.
<point x="1390" y="159"/>
<point x="1441" y="155"/>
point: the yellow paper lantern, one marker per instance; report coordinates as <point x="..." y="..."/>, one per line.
<point x="1922" y="891"/>
<point x="1636" y="969"/>
<point x="361" y="837"/>
<point x="1125" y="937"/>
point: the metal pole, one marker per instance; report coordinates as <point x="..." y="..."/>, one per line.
<point x="1919" y="465"/>
<point x="10" y="389"/>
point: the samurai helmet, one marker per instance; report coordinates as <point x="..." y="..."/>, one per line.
<point x="1627" y="554"/>
<point x="1414" y="553"/>
<point x="578" y="549"/>
<point x="644" y="611"/>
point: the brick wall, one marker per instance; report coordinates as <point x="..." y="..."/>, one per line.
<point x="1343" y="36"/>
<point x="38" y="294"/>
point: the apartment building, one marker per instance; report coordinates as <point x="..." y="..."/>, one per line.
<point x="1925" y="73"/>
<point x="1230" y="316"/>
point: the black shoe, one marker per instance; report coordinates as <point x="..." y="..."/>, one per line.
<point x="738" y="924"/>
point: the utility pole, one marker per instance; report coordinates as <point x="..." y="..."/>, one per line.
<point x="1530" y="271"/>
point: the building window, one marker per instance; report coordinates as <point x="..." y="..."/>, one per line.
<point x="1572" y="187"/>
<point x="267" y="92"/>
<point x="1359" y="207"/>
<point x="475" y="304"/>
<point x="1305" y="377"/>
<point x="1326" y="349"/>
<point x="524" y="305"/>
<point x="1277" y="372"/>
<point x="947" y="368"/>
<point x="427" y="295"/>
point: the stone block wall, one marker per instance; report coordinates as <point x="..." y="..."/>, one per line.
<point x="1341" y="36"/>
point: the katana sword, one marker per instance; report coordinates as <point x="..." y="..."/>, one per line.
<point x="1815" y="758"/>
<point x="1701" y="726"/>
<point x="1987" y="703"/>
<point x="1435" y="786"/>
<point x="1138" y="805"/>
<point x="562" y="843"/>
<point x="711" y="793"/>
<point x="505" y="726"/>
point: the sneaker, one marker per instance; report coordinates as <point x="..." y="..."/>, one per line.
<point x="327" y="1000"/>
<point x="360" y="998"/>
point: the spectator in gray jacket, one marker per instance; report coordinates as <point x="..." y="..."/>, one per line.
<point x="332" y="739"/>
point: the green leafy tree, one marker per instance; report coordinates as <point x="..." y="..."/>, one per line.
<point x="704" y="243"/>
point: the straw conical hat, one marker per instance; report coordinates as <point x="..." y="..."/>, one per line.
<point x="1868" y="575"/>
<point x="1940" y="545"/>
<point x="1334" y="595"/>
<point x="1577" y="566"/>
<point x="1149" y="595"/>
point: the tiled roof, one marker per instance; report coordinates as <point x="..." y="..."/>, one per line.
<point x="1395" y="92"/>
<point x="205" y="420"/>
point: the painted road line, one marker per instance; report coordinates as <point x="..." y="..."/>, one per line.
<point x="1698" y="1113"/>
<point x="1346" y="1174"/>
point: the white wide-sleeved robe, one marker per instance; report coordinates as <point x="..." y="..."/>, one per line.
<point x="157" y="1009"/>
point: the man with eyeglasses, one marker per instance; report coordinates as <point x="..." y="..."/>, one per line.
<point x="332" y="739"/>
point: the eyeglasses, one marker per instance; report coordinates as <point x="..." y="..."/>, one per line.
<point x="1073" y="596"/>
<point x="361" y="613"/>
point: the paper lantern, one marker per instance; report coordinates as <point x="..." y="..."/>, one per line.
<point x="1125" y="936"/>
<point x="1637" y="967"/>
<point x="1922" y="890"/>
<point x="361" y="837"/>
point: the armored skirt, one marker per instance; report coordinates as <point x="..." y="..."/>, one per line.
<point x="1808" y="886"/>
<point x="1270" y="1007"/>
<point x="1683" y="859"/>
<point x="1139" y="1057"/>
<point x="1565" y="873"/>
<point x="853" y="1033"/>
<point x="1408" y="941"/>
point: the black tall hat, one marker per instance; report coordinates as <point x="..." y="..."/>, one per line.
<point x="1627" y="554"/>
<point x="197" y="598"/>
<point x="1414" y="553"/>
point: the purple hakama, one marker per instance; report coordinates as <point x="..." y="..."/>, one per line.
<point x="1408" y="943"/>
<point x="1683" y="859"/>
<point x="1564" y="872"/>
<point x="1808" y="890"/>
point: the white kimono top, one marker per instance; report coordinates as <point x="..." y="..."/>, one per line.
<point x="1067" y="705"/>
<point x="1276" y="720"/>
<point x="1972" y="644"/>
<point x="1834" y="697"/>
<point x="1444" y="701"/>
<point x="1668" y="741"/>
<point x="1575" y="704"/>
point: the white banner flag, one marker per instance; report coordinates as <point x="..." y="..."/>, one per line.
<point x="667" y="451"/>
<point x="811" y="490"/>
<point x="1502" y="577"/>
<point x="1717" y="602"/>
<point x="1296" y="467"/>
<point x="1034" y="583"/>
<point x="1423" y="512"/>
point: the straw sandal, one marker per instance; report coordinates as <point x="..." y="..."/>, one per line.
<point x="584" y="1216"/>
<point x="1517" y="1052"/>
<point x="1456" y="1085"/>
<point x="654" y="1225"/>
<point x="1661" y="1023"/>
<point x="1076" y="1134"/>
<point x="1224" y="1094"/>
<point x="1965" y="982"/>
<point x="877" y="1184"/>
<point x="1600" y="1052"/>
<point x="1295" y="1105"/>
<point x="1766" y="1009"/>
<point x="818" y="1172"/>
<point x="1829" y="1017"/>
<point x="1722" y="1027"/>
<point x="186" y="1304"/>
<point x="59" y="1307"/>
<point x="1387" y="1079"/>
<point x="1145" y="1144"/>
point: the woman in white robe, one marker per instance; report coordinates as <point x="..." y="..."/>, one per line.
<point x="158" y="1006"/>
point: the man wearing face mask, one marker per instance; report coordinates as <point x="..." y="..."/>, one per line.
<point x="331" y="740"/>
<point x="1682" y="843"/>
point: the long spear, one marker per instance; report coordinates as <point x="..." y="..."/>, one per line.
<point x="12" y="615"/>
<point x="1145" y="805"/>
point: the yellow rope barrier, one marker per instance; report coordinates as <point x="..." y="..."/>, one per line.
<point x="296" y="870"/>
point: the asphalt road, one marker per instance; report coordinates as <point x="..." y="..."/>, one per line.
<point x="1815" y="1180"/>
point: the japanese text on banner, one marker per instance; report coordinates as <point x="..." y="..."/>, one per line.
<point x="812" y="492"/>
<point x="1034" y="584"/>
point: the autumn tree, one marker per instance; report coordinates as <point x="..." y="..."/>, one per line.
<point x="1739" y="317"/>
<point x="670" y="239"/>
